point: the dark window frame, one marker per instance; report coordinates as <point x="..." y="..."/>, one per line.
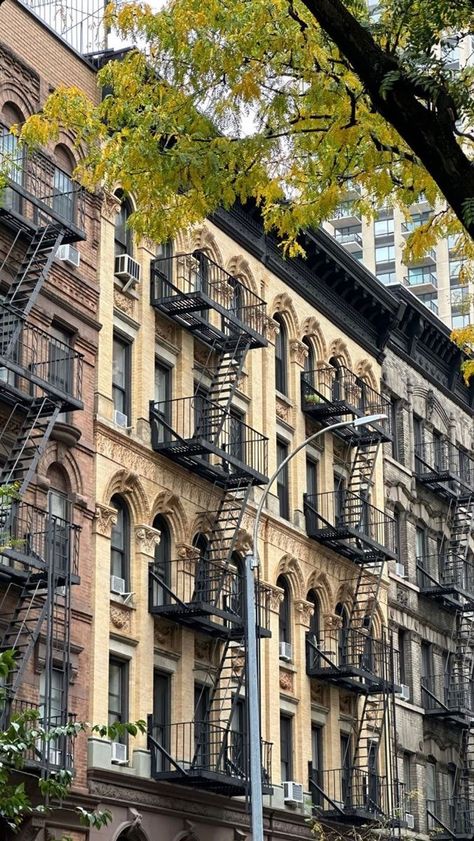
<point x="283" y="483"/>
<point x="123" y="234"/>
<point x="281" y="356"/>
<point x="123" y="551"/>
<point x="284" y="613"/>
<point x="162" y="728"/>
<point x="286" y="746"/>
<point x="117" y="388"/>
<point x="122" y="714"/>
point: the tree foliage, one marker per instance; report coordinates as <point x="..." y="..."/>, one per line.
<point x="287" y="101"/>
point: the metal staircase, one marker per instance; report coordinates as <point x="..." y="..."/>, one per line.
<point x="448" y="576"/>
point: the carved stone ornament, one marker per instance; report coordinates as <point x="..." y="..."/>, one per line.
<point x="147" y="539"/>
<point x="120" y="617"/>
<point x="124" y="302"/>
<point x="286" y="681"/>
<point x="202" y="650"/>
<point x="238" y="662"/>
<point x="298" y="352"/>
<point x="163" y="635"/>
<point x="188" y="556"/>
<point x="345" y="704"/>
<point x="304" y="611"/>
<point x="105" y="518"/>
<point x="317" y="693"/>
<point x="110" y="206"/>
<point x="402" y="596"/>
<point x="282" y="409"/>
<point x="276" y="597"/>
<point x="164" y="331"/>
<point x="332" y="622"/>
<point x="272" y="328"/>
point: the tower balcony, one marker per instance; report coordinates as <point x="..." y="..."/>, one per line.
<point x="451" y="818"/>
<point x="355" y="796"/>
<point x="444" y="467"/>
<point x="448" y="578"/>
<point x="34" y="363"/>
<point x="201" y="755"/>
<point x="448" y="696"/>
<point x="34" y="539"/>
<point x="349" y="525"/>
<point x="188" y="287"/>
<point x="38" y="193"/>
<point x="200" y="435"/>
<point x="353" y="659"/>
<point x="331" y="393"/>
<point x="207" y="596"/>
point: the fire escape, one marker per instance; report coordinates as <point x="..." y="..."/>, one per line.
<point x="40" y="377"/>
<point x="203" y="434"/>
<point x="447" y="578"/>
<point x="349" y="654"/>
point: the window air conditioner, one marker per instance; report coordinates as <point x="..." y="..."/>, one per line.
<point x="400" y="569"/>
<point x="121" y="419"/>
<point x="117" y="585"/>
<point x="119" y="753"/>
<point x="286" y="652"/>
<point x="293" y="793"/>
<point x="404" y="692"/>
<point x="70" y="255"/>
<point x="127" y="269"/>
<point x="410" y="820"/>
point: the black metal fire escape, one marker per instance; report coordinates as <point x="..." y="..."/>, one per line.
<point x="205" y="592"/>
<point x="352" y="656"/>
<point x="40" y="377"/>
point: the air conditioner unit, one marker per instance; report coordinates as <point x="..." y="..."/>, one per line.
<point x="400" y="569"/>
<point x="68" y="254"/>
<point x="127" y="269"/>
<point x="293" y="793"/>
<point x="286" y="651"/>
<point x="121" y="419"/>
<point x="404" y="692"/>
<point x="119" y="753"/>
<point x="117" y="585"/>
<point x="410" y="820"/>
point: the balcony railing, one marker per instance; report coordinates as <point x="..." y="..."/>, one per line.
<point x="30" y="536"/>
<point x="204" y="755"/>
<point x="184" y="287"/>
<point x="451" y="817"/>
<point x="200" y="434"/>
<point x="442" y="461"/>
<point x="348" y="656"/>
<point x="350" y="525"/>
<point x="53" y="754"/>
<point x="447" y="694"/>
<point x="445" y="574"/>
<point x="39" y="193"/>
<point x="422" y="279"/>
<point x="331" y="392"/>
<point x="34" y="362"/>
<point x="356" y="794"/>
<point x="188" y="589"/>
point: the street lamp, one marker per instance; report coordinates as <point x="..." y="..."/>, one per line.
<point x="252" y="689"/>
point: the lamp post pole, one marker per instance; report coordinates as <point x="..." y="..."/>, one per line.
<point x="253" y="685"/>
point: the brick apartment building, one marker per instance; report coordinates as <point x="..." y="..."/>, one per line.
<point x="215" y="358"/>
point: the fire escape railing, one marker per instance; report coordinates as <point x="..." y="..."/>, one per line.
<point x="445" y="573"/>
<point x="351" y="655"/>
<point x="440" y="461"/>
<point x="447" y="693"/>
<point x="356" y="794"/>
<point x="330" y="391"/>
<point x="31" y="537"/>
<point x="348" y="522"/>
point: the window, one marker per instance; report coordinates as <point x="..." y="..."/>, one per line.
<point x="346" y="765"/>
<point x="397" y="532"/>
<point x="337" y="380"/>
<point x="426" y="673"/>
<point x="420" y="544"/>
<point x="121" y="380"/>
<point x="316" y="763"/>
<point x="162" y="398"/>
<point x="118" y="693"/>
<point x="52" y="701"/>
<point x="395" y="423"/>
<point x="235" y="444"/>
<point x="120" y="541"/>
<point x="237" y="743"/>
<point x="282" y="480"/>
<point x="312" y="479"/>
<point x="310" y="361"/>
<point x="162" y="562"/>
<point x="284" y="616"/>
<point x="202" y="579"/>
<point x="201" y="725"/>
<point x="315" y="621"/>
<point x="339" y="498"/>
<point x="384" y="227"/>
<point x="63" y="195"/>
<point x="431" y="794"/>
<point x="161" y="715"/>
<point x="418" y="435"/>
<point x="9" y="116"/>
<point x="59" y="538"/>
<point x="387" y="277"/>
<point x="123" y="233"/>
<point x="401" y="643"/>
<point x="286" y="747"/>
<point x="419" y="275"/>
<point x="384" y="253"/>
<point x="281" y="384"/>
<point x="407" y="771"/>
<point x="342" y="611"/>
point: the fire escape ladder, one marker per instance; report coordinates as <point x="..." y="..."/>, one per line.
<point x="459" y="666"/>
<point x="461" y="521"/>
<point x="464" y="782"/>
<point x="34" y="269"/>
<point x="24" y="627"/>
<point x="224" y="378"/>
<point x="366" y="595"/>
<point x="224" y="535"/>
<point x="360" y="478"/>
<point x="370" y="728"/>
<point x="30" y="442"/>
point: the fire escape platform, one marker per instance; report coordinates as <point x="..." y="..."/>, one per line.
<point x="351" y="678"/>
<point x="191" y="454"/>
<point x="357" y="543"/>
<point x="201" y="617"/>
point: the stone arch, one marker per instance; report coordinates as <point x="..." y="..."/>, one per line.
<point x="365" y="371"/>
<point x="130" y="831"/>
<point x="202" y="523"/>
<point x="239" y="267"/>
<point x="291" y="568"/>
<point x="344" y="595"/>
<point x="127" y="484"/>
<point x="11" y="93"/>
<point x="320" y="583"/>
<point x="311" y="330"/>
<point x="432" y="405"/>
<point x="169" y="505"/>
<point x="186" y="835"/>
<point x="203" y="240"/>
<point x="284" y="307"/>
<point x="64" y="157"/>
<point x="65" y="457"/>
<point x="339" y="350"/>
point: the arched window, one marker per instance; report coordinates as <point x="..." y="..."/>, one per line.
<point x="59" y="510"/>
<point x="120" y="547"/>
<point x="342" y="611"/>
<point x="15" y="161"/>
<point x="284" y="619"/>
<point x="315" y="623"/>
<point x="310" y="361"/>
<point x="162" y="566"/>
<point x="204" y="575"/>
<point x="123" y="232"/>
<point x="64" y="193"/>
<point x="336" y="379"/>
<point x="281" y="353"/>
<point x="235" y="596"/>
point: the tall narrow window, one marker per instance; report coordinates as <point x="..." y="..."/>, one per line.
<point x="60" y="360"/>
<point x="312" y="479"/>
<point x="341" y="610"/>
<point x="59" y="510"/>
<point x="161" y="595"/>
<point x="346" y="766"/>
<point x="202" y="746"/>
<point x="339" y="498"/>
<point x="431" y="804"/>
<point x="394" y="428"/>
<point x="281" y="351"/>
<point x="12" y="156"/>
<point x="402" y="671"/>
<point x="420" y="546"/>
<point x="237" y="747"/>
<point x="337" y="388"/>
<point x="162" y="398"/>
<point x="123" y="233"/>
<point x="310" y="361"/>
<point x="63" y="195"/>
<point x="316" y="763"/>
<point x="118" y="693"/>
<point x="121" y="380"/>
<point x="52" y="701"/>
<point x="418" y="435"/>
<point x="282" y="480"/>
<point x="284" y="615"/>
<point x="286" y="747"/>
<point x="120" y="546"/>
<point x="315" y="621"/>
<point x="161" y="715"/>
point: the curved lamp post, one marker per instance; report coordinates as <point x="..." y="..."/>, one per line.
<point x="251" y="562"/>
